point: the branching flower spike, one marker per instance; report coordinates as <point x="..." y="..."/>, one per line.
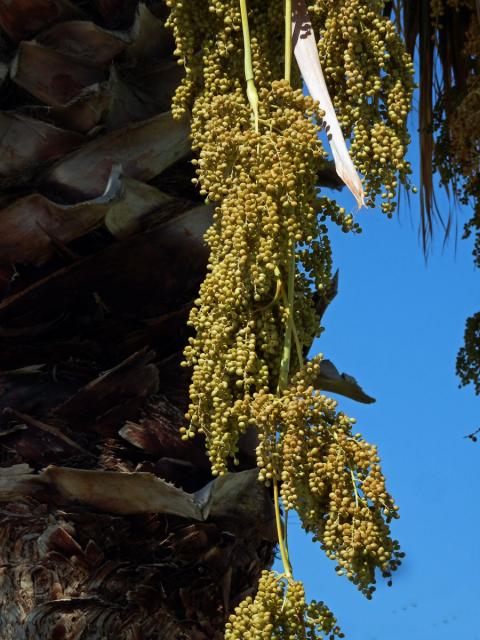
<point x="270" y="262"/>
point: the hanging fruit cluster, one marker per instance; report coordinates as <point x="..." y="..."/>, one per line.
<point x="258" y="155"/>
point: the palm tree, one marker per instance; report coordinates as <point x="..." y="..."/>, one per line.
<point x="110" y="525"/>
<point x="445" y="34"/>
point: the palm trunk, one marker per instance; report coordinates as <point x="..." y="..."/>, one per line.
<point x="110" y="525"/>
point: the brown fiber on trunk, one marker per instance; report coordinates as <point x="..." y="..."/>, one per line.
<point x="110" y="525"/>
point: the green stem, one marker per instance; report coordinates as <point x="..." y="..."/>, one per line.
<point x="281" y="538"/>
<point x="288" y="300"/>
<point x="288" y="40"/>
<point x="354" y="487"/>
<point x="285" y="533"/>
<point x="278" y="291"/>
<point x="282" y="384"/>
<point x="287" y="341"/>
<point x="252" y="94"/>
<point x="298" y="345"/>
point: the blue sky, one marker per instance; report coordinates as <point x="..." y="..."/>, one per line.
<point x="396" y="325"/>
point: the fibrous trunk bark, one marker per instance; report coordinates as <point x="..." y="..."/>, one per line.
<point x="110" y="525"/>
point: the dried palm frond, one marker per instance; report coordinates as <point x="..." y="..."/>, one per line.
<point x="436" y="35"/>
<point x="306" y="54"/>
